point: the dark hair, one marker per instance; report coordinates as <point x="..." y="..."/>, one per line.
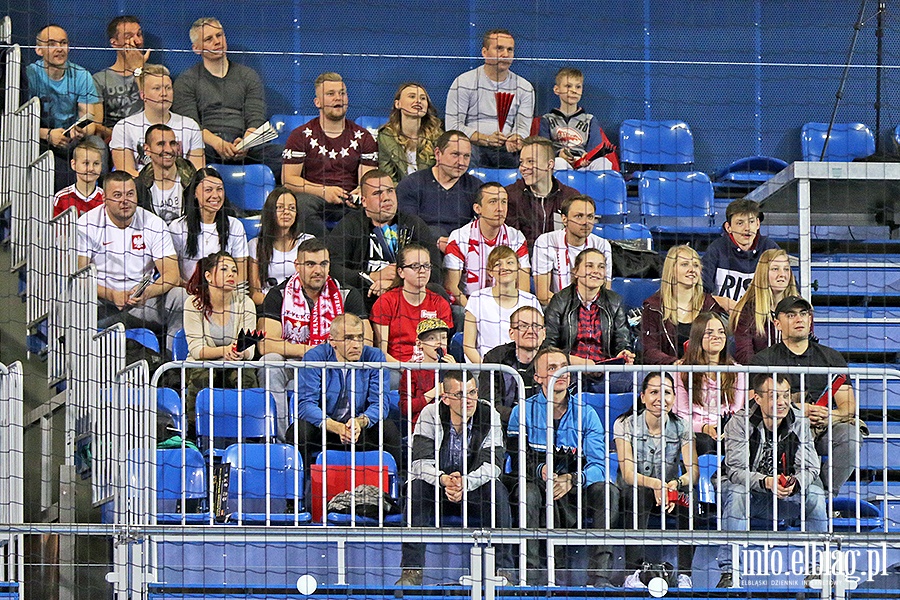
<point x="120" y="176"/>
<point x="154" y="128"/>
<point x="486" y="39"/>
<point x="479" y="193"/>
<point x="757" y="380"/>
<point x="445" y="138"/>
<point x="311" y="245"/>
<point x="646" y="383"/>
<point x="401" y="260"/>
<point x="268" y="233"/>
<point x="113" y="28"/>
<point x="568" y="202"/>
<point x="192" y="213"/>
<point x="461" y="377"/>
<point x="741" y="206"/>
<point x="198" y="287"/>
<point x="582" y="256"/>
<point x="696" y="356"/>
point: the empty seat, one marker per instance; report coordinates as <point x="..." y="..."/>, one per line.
<point x="180" y="346"/>
<point x="502" y="176"/>
<point x="265" y="491"/>
<point x="144" y="337"/>
<point x="750" y="170"/>
<point x="677" y="202"/>
<point x="847" y="141"/>
<point x="181" y="491"/>
<point x="635" y="290"/>
<point x="617" y="403"/>
<point x="225" y="416"/>
<point x="252" y="225"/>
<point x="285" y="124"/>
<point x="648" y="144"/>
<point x="168" y="401"/>
<point x="335" y="470"/>
<point x="246" y="186"/>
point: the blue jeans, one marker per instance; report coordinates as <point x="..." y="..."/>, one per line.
<point x="736" y="513"/>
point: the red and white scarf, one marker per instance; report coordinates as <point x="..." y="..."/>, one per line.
<point x="299" y="325"/>
<point x="477" y="254"/>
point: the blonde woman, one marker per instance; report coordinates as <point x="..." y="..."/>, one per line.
<point x="669" y="313"/>
<point x="406" y="141"/>
<point x="751" y="321"/>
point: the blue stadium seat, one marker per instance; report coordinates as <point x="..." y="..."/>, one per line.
<point x="168" y="401"/>
<point x="252" y="481"/>
<point x="709" y="465"/>
<point x="680" y="203"/>
<point x="285" y="124"/>
<point x="177" y="501"/>
<point x="144" y="337"/>
<point x="573" y="179"/>
<point x="246" y="186"/>
<point x="336" y="466"/>
<point x="371" y="123"/>
<point x="607" y="189"/>
<point x="752" y="170"/>
<point x="647" y="144"/>
<point x="252" y="225"/>
<point x="455" y="347"/>
<point x="502" y="176"/>
<point x="633" y="290"/>
<point x="618" y="404"/>
<point x="226" y="415"/>
<point x="625" y="231"/>
<point x="848" y="141"/>
<point x="180" y="346"/>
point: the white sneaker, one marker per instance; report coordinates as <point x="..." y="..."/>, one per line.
<point x="634" y="582"/>
<point x="684" y="581"/>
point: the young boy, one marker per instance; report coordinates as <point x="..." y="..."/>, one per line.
<point x="577" y="136"/>
<point x="730" y="261"/>
<point x="84" y="194"/>
<point x="420" y="386"/>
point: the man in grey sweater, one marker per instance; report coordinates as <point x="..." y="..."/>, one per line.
<point x="225" y="98"/>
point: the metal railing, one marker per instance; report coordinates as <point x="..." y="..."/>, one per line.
<point x="12" y="479"/>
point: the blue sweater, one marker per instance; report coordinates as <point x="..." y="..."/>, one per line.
<point x="728" y="270"/>
<point x="565" y="460"/>
<point x="370" y="396"/>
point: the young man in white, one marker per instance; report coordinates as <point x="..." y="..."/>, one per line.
<point x="555" y="252"/>
<point x="469" y="246"/>
<point x="492" y="105"/>
<point x="129" y="247"/>
<point x="127" y="143"/>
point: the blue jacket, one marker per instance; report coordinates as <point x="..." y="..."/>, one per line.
<point x="727" y="269"/>
<point x="367" y="398"/>
<point x="565" y="459"/>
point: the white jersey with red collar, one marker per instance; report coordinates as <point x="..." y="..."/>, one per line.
<point x="468" y="250"/>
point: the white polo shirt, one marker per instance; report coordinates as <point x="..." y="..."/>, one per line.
<point x="553" y="255"/>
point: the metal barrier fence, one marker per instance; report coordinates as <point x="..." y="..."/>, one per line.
<point x="20" y="131"/>
<point x="42" y="247"/>
<point x="140" y="492"/>
<point x="63" y="263"/>
<point x="12" y="480"/>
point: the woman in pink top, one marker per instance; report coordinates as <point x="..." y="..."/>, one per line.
<point x="707" y="399"/>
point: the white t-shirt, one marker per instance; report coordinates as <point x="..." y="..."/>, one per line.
<point x="282" y="264"/>
<point x="129" y="133"/>
<point x="553" y="255"/>
<point x="468" y="250"/>
<point x="123" y="256"/>
<point x="167" y="203"/>
<point x="207" y="243"/>
<point x="493" y="320"/>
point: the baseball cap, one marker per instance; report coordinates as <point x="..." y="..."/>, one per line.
<point x="432" y="324"/>
<point x="791" y="302"/>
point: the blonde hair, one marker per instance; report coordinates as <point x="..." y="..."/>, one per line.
<point x="759" y="295"/>
<point x="501" y="253"/>
<point x="326" y="76"/>
<point x="667" y="288"/>
<point x="196" y="30"/>
<point x="151" y="71"/>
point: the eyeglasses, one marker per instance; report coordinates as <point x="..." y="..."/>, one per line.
<point x="286" y="209"/>
<point x="459" y="395"/>
<point x="528" y="327"/>
<point x="309" y="264"/>
<point x="418" y="267"/>
<point x="359" y="339"/>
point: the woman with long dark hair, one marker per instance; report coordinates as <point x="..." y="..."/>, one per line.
<point x="705" y="398"/>
<point x="406" y="141"/>
<point x="214" y="315"/>
<point x="274" y="250"/>
<point x="206" y="226"/>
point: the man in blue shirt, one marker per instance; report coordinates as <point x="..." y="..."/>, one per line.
<point x="348" y="410"/>
<point x="578" y="466"/>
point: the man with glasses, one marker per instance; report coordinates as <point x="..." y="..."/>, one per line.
<point x="578" y="466"/>
<point x="827" y="400"/>
<point x="769" y="458"/>
<point x="526" y="329"/>
<point x="298" y="314"/>
<point x="536" y="198"/>
<point x="67" y="94"/>
<point x="364" y="243"/>
<point x="458" y="452"/>
<point x="555" y="252"/>
<point x="350" y="407"/>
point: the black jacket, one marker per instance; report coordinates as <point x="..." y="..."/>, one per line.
<point x="561" y="320"/>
